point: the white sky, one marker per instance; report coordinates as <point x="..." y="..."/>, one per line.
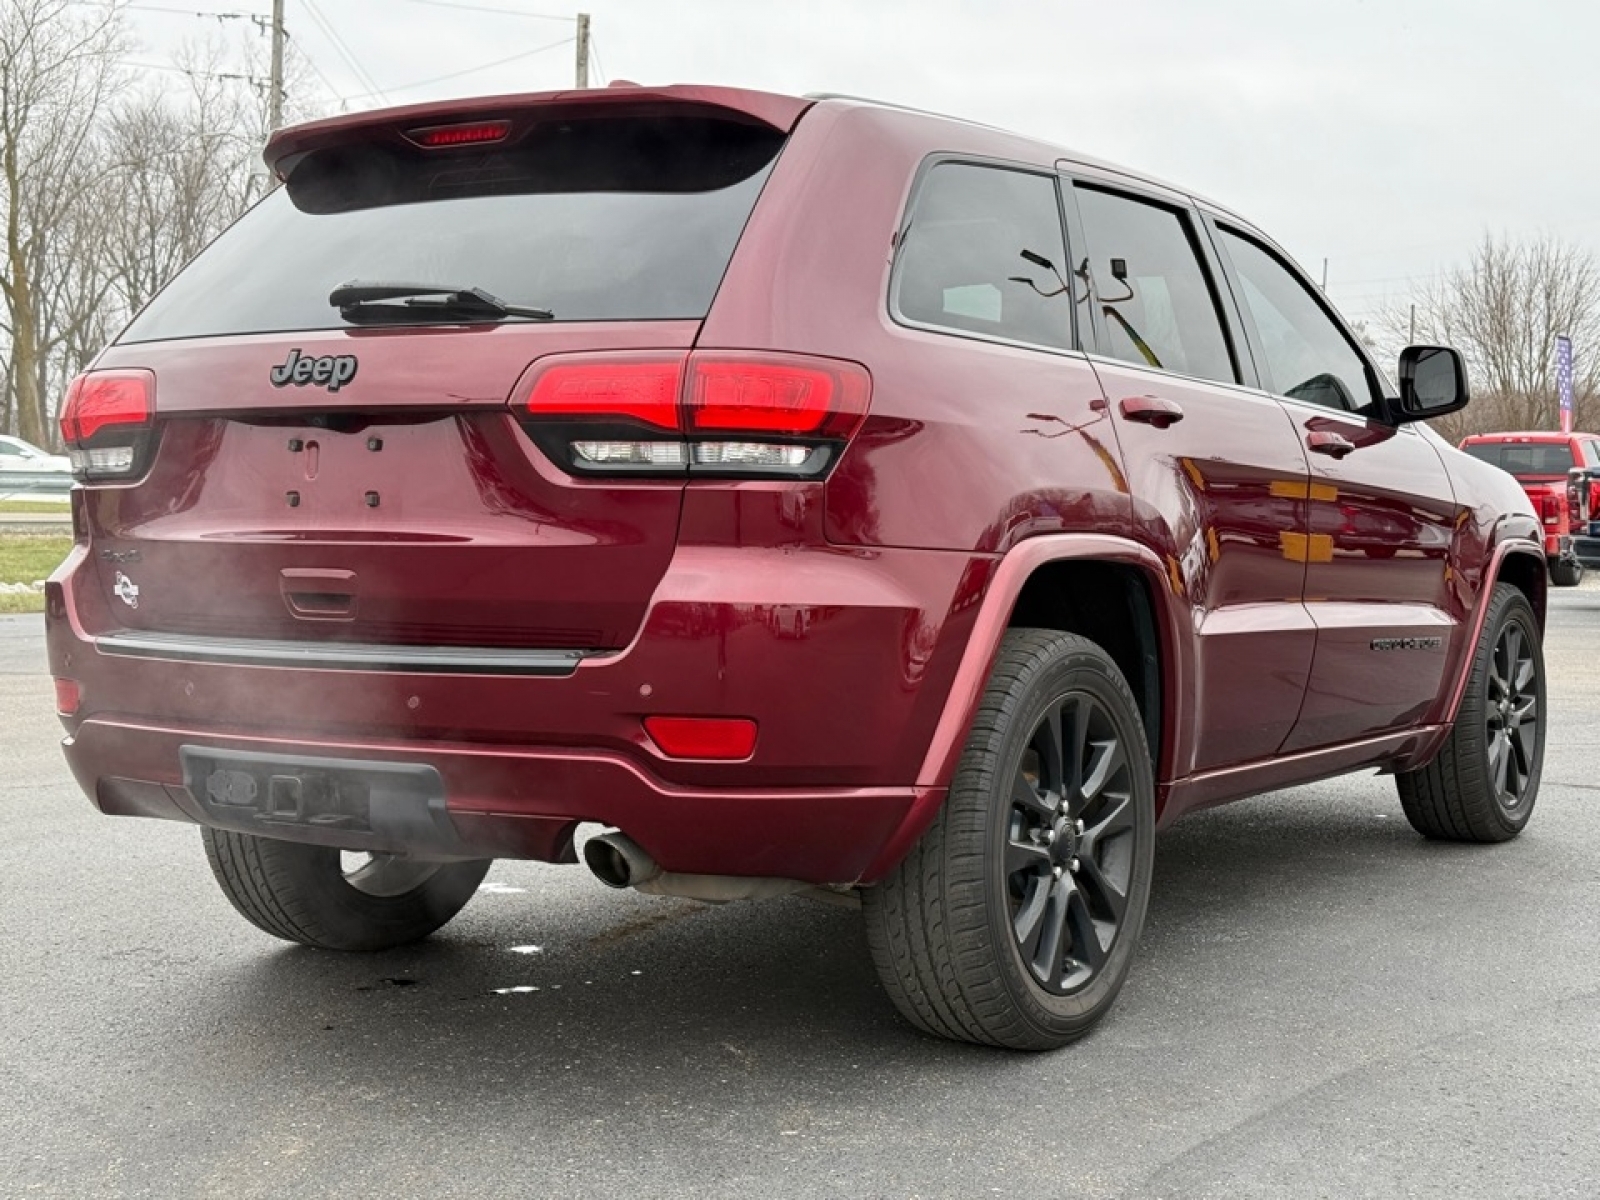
<point x="1385" y="135"/>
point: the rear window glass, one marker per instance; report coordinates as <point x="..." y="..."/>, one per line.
<point x="606" y="219"/>
<point x="1524" y="458"/>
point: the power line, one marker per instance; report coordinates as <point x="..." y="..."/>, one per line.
<point x="255" y="81"/>
<point x="499" y="62"/>
<point x="344" y="50"/>
<point x="333" y="90"/>
<point x="505" y="12"/>
<point x="594" y="53"/>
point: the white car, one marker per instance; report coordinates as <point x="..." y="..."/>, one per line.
<point x="26" y="469"/>
<point x="18" y="455"/>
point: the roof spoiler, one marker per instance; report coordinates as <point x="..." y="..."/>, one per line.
<point x="765" y="108"/>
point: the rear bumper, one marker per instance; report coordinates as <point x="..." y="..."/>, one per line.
<point x="511" y="803"/>
<point x="1587" y="548"/>
<point x="844" y="660"/>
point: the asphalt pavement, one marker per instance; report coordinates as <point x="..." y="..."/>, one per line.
<point x="1325" y="1005"/>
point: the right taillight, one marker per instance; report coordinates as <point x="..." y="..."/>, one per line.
<point x="708" y="413"/>
<point x="106" y="422"/>
<point x="1551" y="507"/>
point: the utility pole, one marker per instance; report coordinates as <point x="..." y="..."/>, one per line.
<point x="275" y="98"/>
<point x="583" y="49"/>
<point x="1324" y="275"/>
<point x="1412" y="340"/>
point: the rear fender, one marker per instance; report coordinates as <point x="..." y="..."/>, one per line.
<point x="999" y="602"/>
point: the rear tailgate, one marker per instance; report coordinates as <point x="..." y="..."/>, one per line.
<point x="411" y="508"/>
<point x="361" y="477"/>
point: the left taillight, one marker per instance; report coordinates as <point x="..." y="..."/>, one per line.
<point x="107" y="421"/>
<point x="708" y="413"/>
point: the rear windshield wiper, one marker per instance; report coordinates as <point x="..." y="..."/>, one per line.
<point x="365" y="301"/>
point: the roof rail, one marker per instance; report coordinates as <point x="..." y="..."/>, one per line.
<point x="907" y="108"/>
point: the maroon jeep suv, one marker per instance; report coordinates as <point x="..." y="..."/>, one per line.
<point x="819" y="494"/>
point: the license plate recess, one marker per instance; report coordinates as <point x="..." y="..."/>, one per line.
<point x="353" y="804"/>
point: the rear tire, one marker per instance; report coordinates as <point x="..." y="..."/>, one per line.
<point x="1013" y="921"/>
<point x="1482" y="785"/>
<point x="305" y="893"/>
<point x="1566" y="572"/>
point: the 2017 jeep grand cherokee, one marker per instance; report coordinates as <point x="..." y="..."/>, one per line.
<point x="820" y="493"/>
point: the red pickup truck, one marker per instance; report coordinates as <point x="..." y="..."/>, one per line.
<point x="1568" y="506"/>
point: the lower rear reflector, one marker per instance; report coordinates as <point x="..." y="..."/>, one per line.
<point x="724" y="738"/>
<point x="68" y="696"/>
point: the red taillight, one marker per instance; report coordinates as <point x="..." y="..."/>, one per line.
<point x="774" y="394"/>
<point x="476" y="133"/>
<point x="102" y="399"/>
<point x="723" y="413"/>
<point x="1551" y="507"/>
<point x="725" y="738"/>
<point x="68" y="696"/>
<point x="627" y="389"/>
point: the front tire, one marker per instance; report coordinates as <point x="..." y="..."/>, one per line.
<point x="307" y="894"/>
<point x="1482" y="785"/>
<point x="1013" y="921"/>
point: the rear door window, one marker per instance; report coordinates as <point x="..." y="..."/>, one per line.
<point x="1156" y="304"/>
<point x="984" y="252"/>
<point x="594" y="219"/>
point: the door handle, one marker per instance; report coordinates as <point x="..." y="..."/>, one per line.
<point x="1151" y="410"/>
<point x="1336" y="445"/>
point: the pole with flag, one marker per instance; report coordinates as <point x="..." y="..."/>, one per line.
<point x="1564" y="381"/>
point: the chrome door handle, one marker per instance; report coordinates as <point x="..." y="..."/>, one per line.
<point x="1336" y="445"/>
<point x="1151" y="410"/>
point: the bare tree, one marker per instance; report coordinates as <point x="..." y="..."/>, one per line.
<point x="1504" y="311"/>
<point x="58" y="72"/>
<point x="182" y="168"/>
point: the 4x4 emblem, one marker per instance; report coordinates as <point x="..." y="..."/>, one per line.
<point x="332" y="371"/>
<point x="126" y="590"/>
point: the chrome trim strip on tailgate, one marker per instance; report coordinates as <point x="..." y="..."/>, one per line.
<point x="343" y="656"/>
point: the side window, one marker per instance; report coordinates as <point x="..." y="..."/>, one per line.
<point x="1308" y="356"/>
<point x="1591" y="453"/>
<point x="984" y="253"/>
<point x="1155" y="299"/>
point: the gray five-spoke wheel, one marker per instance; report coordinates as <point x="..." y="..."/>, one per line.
<point x="1482" y="784"/>
<point x="1013" y="921"/>
<point x="1512" y="716"/>
<point x="1069" y="844"/>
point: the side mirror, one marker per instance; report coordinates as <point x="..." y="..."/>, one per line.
<point x="1433" y="381"/>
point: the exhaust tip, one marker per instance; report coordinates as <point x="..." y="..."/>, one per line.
<point x="618" y="861"/>
<point x="609" y="864"/>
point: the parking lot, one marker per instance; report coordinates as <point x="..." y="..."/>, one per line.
<point x="1325" y="1005"/>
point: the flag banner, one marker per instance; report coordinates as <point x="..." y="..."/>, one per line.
<point x="1564" y="381"/>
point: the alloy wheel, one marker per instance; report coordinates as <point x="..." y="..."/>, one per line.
<point x="1513" y="716"/>
<point x="1069" y="851"/>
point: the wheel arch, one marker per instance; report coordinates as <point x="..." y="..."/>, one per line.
<point x="1049" y="582"/>
<point x="1523" y="566"/>
<point x="1520" y="563"/>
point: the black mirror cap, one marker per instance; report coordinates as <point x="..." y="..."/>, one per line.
<point x="1433" y="381"/>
